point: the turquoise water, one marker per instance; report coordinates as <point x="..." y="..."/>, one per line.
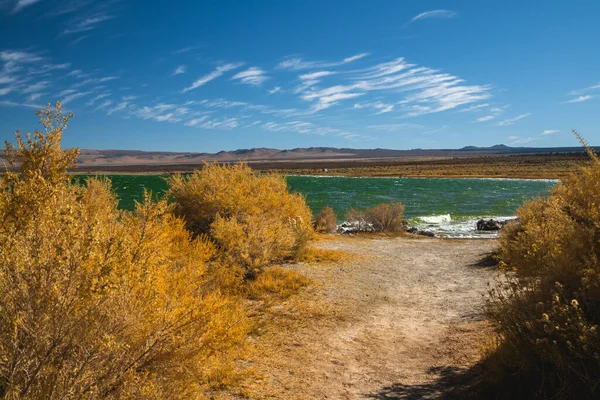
<point x="443" y="205"/>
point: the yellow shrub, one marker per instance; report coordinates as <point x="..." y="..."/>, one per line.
<point x="386" y="217"/>
<point x="548" y="309"/>
<point x="252" y="218"/>
<point x="95" y="302"/>
<point x="326" y="221"/>
<point x="276" y="282"/>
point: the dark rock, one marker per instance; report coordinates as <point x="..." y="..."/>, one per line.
<point x="491" y="224"/>
<point x="416" y="231"/>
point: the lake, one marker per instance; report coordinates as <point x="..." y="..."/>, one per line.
<point x="445" y="206"/>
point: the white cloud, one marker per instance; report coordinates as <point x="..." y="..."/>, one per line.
<point x="297" y="63"/>
<point x="21" y="4"/>
<point x="210" y="76"/>
<point x="475" y="107"/>
<point x="549" y="132"/>
<point x="108" y="78"/>
<point x="429" y="91"/>
<point x="119" y="107"/>
<point x="378" y="106"/>
<point x="275" y="90"/>
<point x="354" y="58"/>
<point x="33" y="96"/>
<point x="19" y="56"/>
<point x="74" y="96"/>
<point x="252" y="76"/>
<point x="220" y="123"/>
<point x="105" y="104"/>
<point x="95" y="99"/>
<point x="511" y="121"/>
<point x="332" y="99"/>
<point x="579" y="99"/>
<point x="435" y="14"/>
<point x="87" y="23"/>
<point x="36" y="87"/>
<point x="395" y="127"/>
<point x="79" y="39"/>
<point x="519" y="140"/>
<point x="13" y="104"/>
<point x="316" y="75"/>
<point x="486" y="118"/>
<point x="196" y="121"/>
<point x="179" y="70"/>
<point x="587" y="89"/>
<point x="5" y="91"/>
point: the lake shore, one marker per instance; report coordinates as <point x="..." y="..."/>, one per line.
<point x="521" y="167"/>
<point x="389" y="321"/>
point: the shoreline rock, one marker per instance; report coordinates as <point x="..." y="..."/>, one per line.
<point x="492" y="224"/>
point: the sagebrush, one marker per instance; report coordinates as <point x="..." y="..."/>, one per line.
<point x="253" y="219"/>
<point x="547" y="310"/>
<point x="101" y="303"/>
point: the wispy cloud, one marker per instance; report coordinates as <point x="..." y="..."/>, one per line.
<point x="379" y="107"/>
<point x="417" y="90"/>
<point x="15" y="104"/>
<point x="298" y="63"/>
<point x="95" y="99"/>
<point x="104" y="105"/>
<point x="434" y="14"/>
<point x="34" y="96"/>
<point x="71" y="97"/>
<point x="119" y="107"/>
<point x="549" y="132"/>
<point x="513" y="140"/>
<point x="36" y="87"/>
<point x="252" y="76"/>
<point x="511" y="121"/>
<point x="579" y="99"/>
<point x="21" y="4"/>
<point x="79" y="39"/>
<point x="87" y="23"/>
<point x="180" y="70"/>
<point x="486" y="118"/>
<point x="586" y="89"/>
<point x="476" y="107"/>
<point x="395" y="127"/>
<point x="212" y="75"/>
<point x="316" y="75"/>
<point x="274" y="90"/>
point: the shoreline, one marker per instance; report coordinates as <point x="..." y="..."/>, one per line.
<point x="498" y="167"/>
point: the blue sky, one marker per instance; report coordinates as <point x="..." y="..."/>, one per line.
<point x="223" y="75"/>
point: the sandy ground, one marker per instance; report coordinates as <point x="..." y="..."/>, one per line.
<point x="393" y="321"/>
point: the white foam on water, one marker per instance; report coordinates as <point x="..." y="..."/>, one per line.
<point x="445" y="226"/>
<point x="436" y="219"/>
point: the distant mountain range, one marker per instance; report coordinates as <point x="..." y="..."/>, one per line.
<point x="97" y="158"/>
<point x="137" y="160"/>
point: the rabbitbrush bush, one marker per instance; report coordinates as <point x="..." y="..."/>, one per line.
<point x="99" y="303"/>
<point x="326" y="221"/>
<point x="548" y="308"/>
<point x="253" y="219"/>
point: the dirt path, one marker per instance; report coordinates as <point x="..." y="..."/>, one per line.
<point x="400" y="316"/>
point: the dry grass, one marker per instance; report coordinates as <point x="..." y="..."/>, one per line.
<point x="318" y="255"/>
<point x="276" y="283"/>
<point x="532" y="167"/>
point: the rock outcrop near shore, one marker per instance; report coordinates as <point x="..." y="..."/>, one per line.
<point x="491" y="224"/>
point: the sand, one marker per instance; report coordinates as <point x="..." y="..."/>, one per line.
<point x="392" y="321"/>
